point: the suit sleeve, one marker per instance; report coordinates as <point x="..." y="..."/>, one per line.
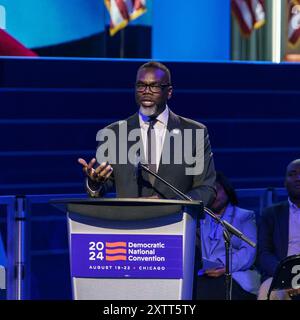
<point x="96" y="189"/>
<point x="204" y="184"/>
<point x="267" y="260"/>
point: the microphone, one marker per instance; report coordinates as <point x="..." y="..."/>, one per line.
<point x="178" y="192"/>
<point x="137" y="165"/>
<point x="227" y="226"/>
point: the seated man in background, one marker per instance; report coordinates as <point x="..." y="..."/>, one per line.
<point x="245" y="280"/>
<point x="279" y="234"/>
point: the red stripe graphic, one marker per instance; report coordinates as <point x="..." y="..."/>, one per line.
<point x="114" y="251"/>
<point x="116" y="258"/>
<point x="115" y="244"/>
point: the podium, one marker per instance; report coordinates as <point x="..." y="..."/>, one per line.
<point x="2" y="277"/>
<point x="131" y="248"/>
<point x="3" y="265"/>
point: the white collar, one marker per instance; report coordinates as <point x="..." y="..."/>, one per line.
<point x="292" y="205"/>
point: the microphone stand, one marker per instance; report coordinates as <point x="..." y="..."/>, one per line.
<point x="228" y="231"/>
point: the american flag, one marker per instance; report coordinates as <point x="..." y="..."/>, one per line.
<point x="293" y="22"/>
<point x="123" y="11"/>
<point x="250" y="14"/>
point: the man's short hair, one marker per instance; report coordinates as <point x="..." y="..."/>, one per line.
<point x="156" y="65"/>
<point x="296" y="161"/>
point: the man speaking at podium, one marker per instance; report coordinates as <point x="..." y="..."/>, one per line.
<point x="176" y="148"/>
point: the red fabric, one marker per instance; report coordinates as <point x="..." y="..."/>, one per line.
<point x="9" y="46"/>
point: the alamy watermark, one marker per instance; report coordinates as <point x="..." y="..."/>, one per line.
<point x="179" y="147"/>
<point x="296" y="279"/>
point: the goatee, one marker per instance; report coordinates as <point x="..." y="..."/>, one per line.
<point x="149" y="111"/>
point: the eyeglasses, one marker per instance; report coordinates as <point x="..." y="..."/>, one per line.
<point x="154" y="88"/>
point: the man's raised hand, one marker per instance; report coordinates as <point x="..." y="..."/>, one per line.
<point x="99" y="174"/>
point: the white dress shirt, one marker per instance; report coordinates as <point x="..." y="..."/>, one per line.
<point x="160" y="128"/>
<point x="294" y="230"/>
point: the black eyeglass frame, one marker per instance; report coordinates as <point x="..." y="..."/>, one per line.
<point x="138" y="87"/>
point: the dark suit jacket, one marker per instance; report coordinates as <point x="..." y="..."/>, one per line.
<point x="273" y="237"/>
<point x="130" y="183"/>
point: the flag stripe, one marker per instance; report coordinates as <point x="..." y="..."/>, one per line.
<point x="241" y="10"/>
<point x="250" y="14"/>
<point x="123" y="11"/>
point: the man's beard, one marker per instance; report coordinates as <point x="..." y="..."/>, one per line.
<point x="149" y="111"/>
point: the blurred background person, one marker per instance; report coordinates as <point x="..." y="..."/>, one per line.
<point x="245" y="279"/>
<point x="279" y="235"/>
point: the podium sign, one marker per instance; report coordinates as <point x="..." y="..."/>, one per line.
<point x="137" y="249"/>
<point x="126" y="256"/>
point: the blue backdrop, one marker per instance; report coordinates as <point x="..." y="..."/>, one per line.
<point x="191" y="30"/>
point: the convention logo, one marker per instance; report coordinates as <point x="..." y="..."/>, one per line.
<point x="136" y="256"/>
